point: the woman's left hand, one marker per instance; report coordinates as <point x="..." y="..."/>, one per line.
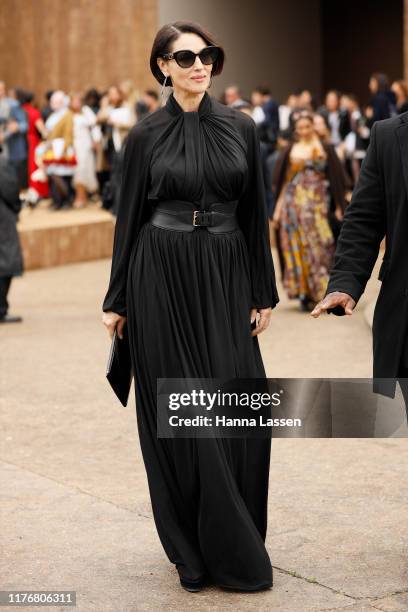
<point x="263" y="321"/>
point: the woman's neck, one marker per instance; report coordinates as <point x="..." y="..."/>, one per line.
<point x="308" y="141"/>
<point x="189" y="101"/>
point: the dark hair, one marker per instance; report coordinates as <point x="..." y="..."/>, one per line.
<point x="323" y="116"/>
<point x="24" y="96"/>
<point x="263" y="89"/>
<point x="382" y="80"/>
<point x="352" y="97"/>
<point x="170" y="33"/>
<point x="300" y="113"/>
<point x="152" y="93"/>
<point x="92" y="93"/>
<point x="334" y="91"/>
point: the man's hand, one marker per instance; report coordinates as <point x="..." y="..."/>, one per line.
<point x="336" y="298"/>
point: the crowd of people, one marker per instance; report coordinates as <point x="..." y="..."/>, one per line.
<point x="69" y="151"/>
<point x="312" y="155"/>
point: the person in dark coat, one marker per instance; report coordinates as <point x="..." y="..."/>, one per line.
<point x="11" y="258"/>
<point x="268" y="129"/>
<point x="378" y="208"/>
<point x="337" y="118"/>
<point x="383" y="104"/>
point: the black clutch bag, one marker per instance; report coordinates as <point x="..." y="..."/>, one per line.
<point x="119" y="370"/>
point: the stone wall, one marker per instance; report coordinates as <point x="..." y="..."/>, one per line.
<point x="76" y="44"/>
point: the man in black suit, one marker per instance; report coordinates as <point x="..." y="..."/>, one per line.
<point x="378" y="208"/>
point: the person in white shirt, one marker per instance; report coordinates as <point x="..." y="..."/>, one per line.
<point x="84" y="180"/>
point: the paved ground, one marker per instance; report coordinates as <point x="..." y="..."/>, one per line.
<point x="75" y="510"/>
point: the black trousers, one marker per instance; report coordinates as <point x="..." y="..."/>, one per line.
<point x="61" y="189"/>
<point x="4" y="288"/>
<point x="21" y="168"/>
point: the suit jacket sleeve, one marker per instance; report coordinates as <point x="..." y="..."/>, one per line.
<point x="131" y="214"/>
<point x="9" y="189"/>
<point x="252" y="218"/>
<point x="364" y="227"/>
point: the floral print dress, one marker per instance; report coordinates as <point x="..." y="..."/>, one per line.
<point x="306" y="238"/>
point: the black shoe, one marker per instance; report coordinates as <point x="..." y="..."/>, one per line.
<point x="61" y="206"/>
<point x="194" y="586"/>
<point x="66" y="205"/>
<point x="10" y="319"/>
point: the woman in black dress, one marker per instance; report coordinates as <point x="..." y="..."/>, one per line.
<point x="189" y="293"/>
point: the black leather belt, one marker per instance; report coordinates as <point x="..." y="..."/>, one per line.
<point x="181" y="215"/>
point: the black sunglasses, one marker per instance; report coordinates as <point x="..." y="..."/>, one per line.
<point x="186" y="58"/>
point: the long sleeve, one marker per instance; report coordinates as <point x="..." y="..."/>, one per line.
<point x="132" y="213"/>
<point x="9" y="190"/>
<point x="252" y="217"/>
<point x="337" y="176"/>
<point x="279" y="173"/>
<point x="364" y="227"/>
<point x="18" y="114"/>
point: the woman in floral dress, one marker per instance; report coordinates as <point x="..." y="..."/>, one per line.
<point x="309" y="187"/>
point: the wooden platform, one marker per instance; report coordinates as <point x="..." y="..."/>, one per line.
<point x="54" y="238"/>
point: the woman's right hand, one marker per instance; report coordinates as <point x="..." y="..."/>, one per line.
<point x="111" y="320"/>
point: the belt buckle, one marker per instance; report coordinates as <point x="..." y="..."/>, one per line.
<point x="195" y="218"/>
<point x="206" y="218"/>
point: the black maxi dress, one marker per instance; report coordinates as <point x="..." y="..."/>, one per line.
<point x="187" y="297"/>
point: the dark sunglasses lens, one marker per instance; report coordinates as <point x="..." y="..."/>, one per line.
<point x="185" y="59"/>
<point x="209" y="55"/>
